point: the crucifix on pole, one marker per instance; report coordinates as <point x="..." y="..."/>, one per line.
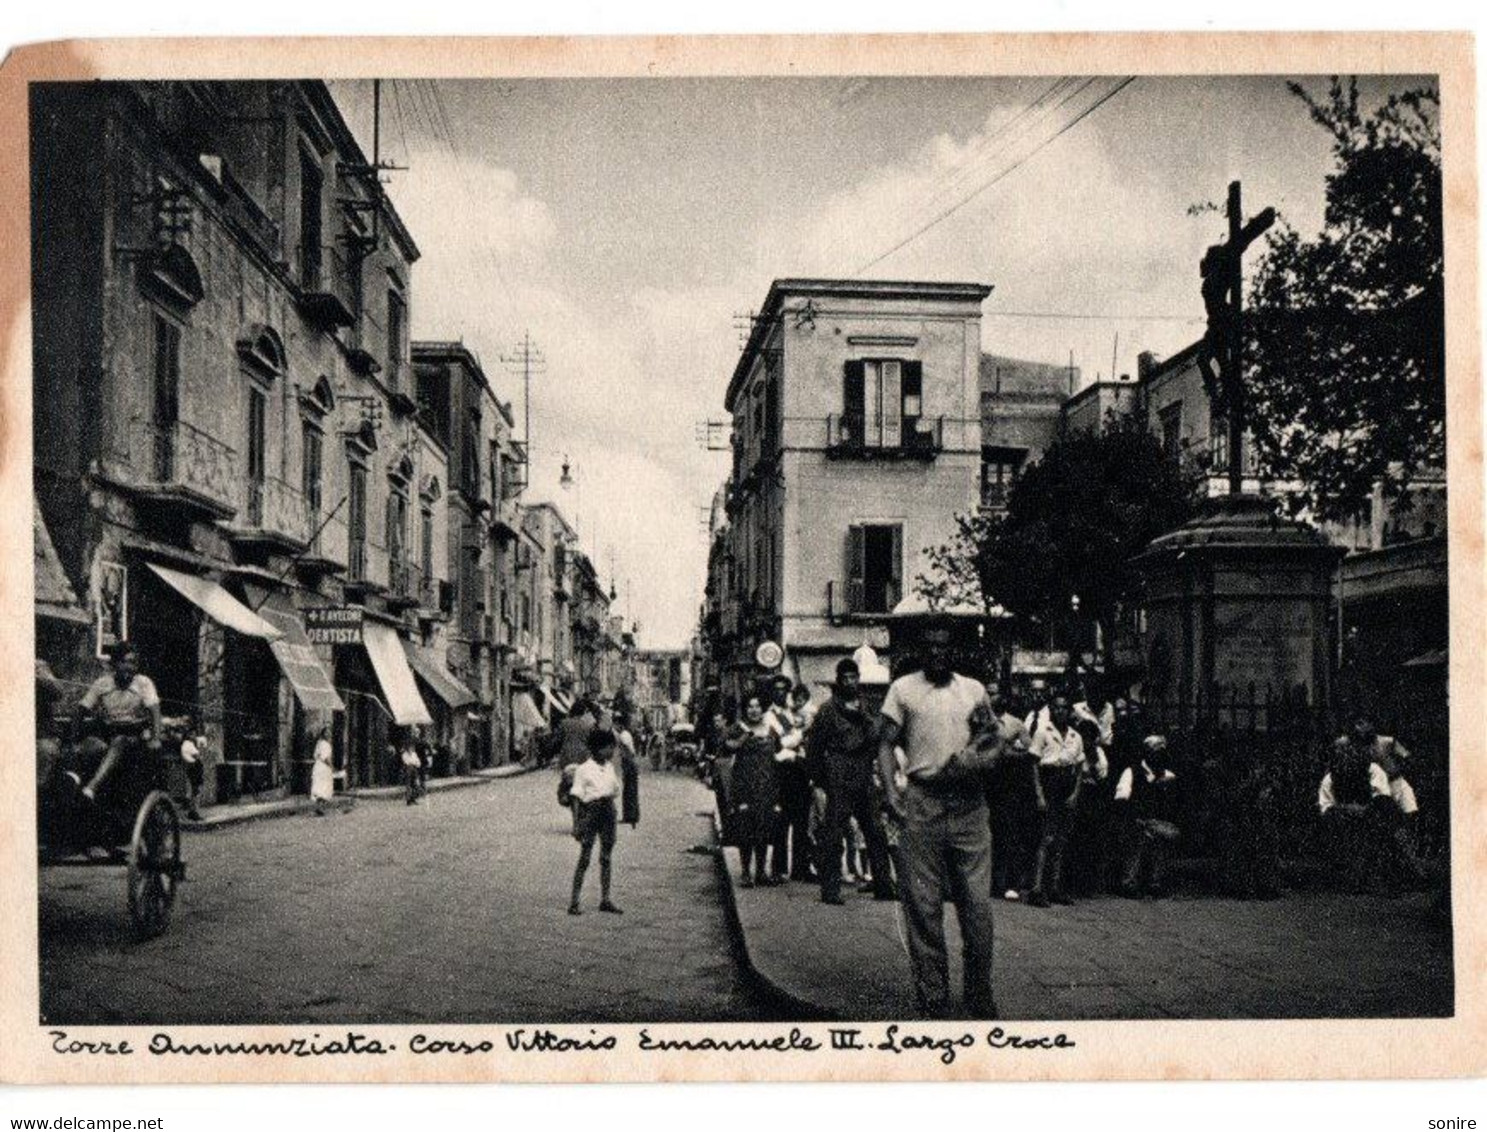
<point x="1221" y="353"/>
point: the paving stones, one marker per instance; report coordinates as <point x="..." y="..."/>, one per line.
<point x="450" y="911"/>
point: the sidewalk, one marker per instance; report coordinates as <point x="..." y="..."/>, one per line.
<point x="234" y="813"/>
<point x="1311" y="955"/>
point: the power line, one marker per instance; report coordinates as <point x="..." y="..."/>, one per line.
<point x="976" y="163"/>
<point x="945" y="214"/>
<point x="1092" y="316"/>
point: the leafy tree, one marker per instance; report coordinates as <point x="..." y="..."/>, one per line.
<point x="1074" y="520"/>
<point x="1345" y="367"/>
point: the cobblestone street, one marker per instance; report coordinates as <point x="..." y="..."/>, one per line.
<point x="453" y="910"/>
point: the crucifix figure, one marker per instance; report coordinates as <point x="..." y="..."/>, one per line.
<point x="1221" y="352"/>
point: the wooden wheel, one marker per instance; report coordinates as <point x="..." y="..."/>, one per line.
<point x="154" y="864"/>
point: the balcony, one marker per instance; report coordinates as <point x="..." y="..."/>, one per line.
<point x="176" y="467"/>
<point x="506" y="521"/>
<point x="275" y="517"/>
<point x="326" y="288"/>
<point x="851" y="437"/>
<point x="404" y="584"/>
<point x="327" y="549"/>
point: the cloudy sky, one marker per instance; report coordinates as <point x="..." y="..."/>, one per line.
<point x="624" y="223"/>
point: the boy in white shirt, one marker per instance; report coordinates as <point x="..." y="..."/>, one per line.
<point x="595" y="792"/>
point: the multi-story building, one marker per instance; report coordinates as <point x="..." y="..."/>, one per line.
<point x="856" y="442"/>
<point x="589" y="627"/>
<point x="545" y="589"/>
<point x="225" y="442"/>
<point x="486" y="477"/>
<point x="1022" y="406"/>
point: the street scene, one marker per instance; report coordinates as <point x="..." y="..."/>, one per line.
<point x="741" y="549"/>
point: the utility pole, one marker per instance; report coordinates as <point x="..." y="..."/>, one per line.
<point x="527" y="358"/>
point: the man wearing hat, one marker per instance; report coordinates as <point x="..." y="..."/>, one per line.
<point x="840" y="748"/>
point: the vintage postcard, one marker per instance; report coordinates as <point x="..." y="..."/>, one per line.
<point x="918" y="557"/>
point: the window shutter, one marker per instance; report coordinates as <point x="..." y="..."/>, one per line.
<point x="913" y="392"/>
<point x="892" y="404"/>
<point x="853" y="404"/>
<point x="856" y="569"/>
<point x="896" y="566"/>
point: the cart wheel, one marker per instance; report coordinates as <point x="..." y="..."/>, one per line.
<point x="154" y="864"/>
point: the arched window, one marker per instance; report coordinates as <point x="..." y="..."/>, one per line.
<point x="262" y="351"/>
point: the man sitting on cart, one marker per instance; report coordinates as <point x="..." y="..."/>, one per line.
<point x="123" y="710"/>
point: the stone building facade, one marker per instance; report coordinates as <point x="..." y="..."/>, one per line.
<point x="225" y="429"/>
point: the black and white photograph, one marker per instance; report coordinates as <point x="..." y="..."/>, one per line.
<point x="556" y="551"/>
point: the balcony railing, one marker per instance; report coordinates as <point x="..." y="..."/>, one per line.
<point x="175" y="463"/>
<point x="327" y="291"/>
<point x="854" y="437"/>
<point x="405" y="584"/>
<point x="273" y="511"/>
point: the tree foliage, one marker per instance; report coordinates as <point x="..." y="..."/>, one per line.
<point x="1345" y="366"/>
<point x="1074" y="519"/>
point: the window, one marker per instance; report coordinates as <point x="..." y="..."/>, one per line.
<point x="1170" y="417"/>
<point x="257" y="454"/>
<point x="396" y="311"/>
<point x="426" y="543"/>
<point x="874" y="568"/>
<point x="397" y="526"/>
<point x="470" y="457"/>
<point x="882" y="403"/>
<point x="1218" y="444"/>
<point x="311" y="474"/>
<point x="166" y="409"/>
<point x="310" y="235"/>
<point x="999" y="468"/>
<point x="356" y="502"/>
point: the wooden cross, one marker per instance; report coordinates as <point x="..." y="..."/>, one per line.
<point x="1221" y="353"/>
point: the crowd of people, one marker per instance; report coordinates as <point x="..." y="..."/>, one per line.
<point x="947" y="789"/>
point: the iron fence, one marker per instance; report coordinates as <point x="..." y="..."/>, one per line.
<point x="1263" y="752"/>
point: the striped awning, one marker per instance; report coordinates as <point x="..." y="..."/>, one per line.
<point x="297" y="658"/>
<point x="217" y="603"/>
<point x="399" y="689"/>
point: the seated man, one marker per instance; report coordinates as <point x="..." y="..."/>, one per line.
<point x="123" y="710"/>
<point x="1364" y="810"/>
<point x="1147" y="796"/>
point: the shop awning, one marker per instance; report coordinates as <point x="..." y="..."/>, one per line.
<point x="524" y="713"/>
<point x="54" y="594"/>
<point x="301" y="664"/>
<point x="217" y="603"/>
<point x="389" y="661"/>
<point x="549" y="697"/>
<point x="563" y="701"/>
<point x="429" y="669"/>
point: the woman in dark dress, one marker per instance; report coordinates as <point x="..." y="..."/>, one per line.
<point x="754" y="791"/>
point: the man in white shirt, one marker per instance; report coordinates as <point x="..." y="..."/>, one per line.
<point x="125" y="711"/>
<point x="1366" y="811"/>
<point x="1059" y="750"/>
<point x="945" y="846"/>
<point x="595" y="792"/>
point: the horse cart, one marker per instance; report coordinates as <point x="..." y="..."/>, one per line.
<point x="134" y="824"/>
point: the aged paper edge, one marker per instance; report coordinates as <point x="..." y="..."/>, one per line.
<point x="1392" y="1048"/>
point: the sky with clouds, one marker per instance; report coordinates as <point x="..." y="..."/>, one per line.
<point x="625" y="223"/>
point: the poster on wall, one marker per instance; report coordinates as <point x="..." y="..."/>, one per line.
<point x="111" y="608"/>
